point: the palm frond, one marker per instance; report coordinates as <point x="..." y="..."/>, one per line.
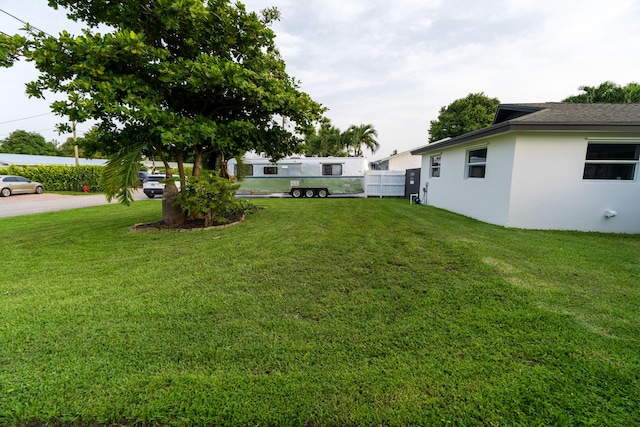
<point x="120" y="176"/>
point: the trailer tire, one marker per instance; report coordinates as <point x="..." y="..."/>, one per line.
<point x="309" y="192"/>
<point x="296" y="193"/>
<point x="322" y="193"/>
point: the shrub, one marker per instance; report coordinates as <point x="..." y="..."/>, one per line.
<point x="210" y="196"/>
<point x="241" y="207"/>
<point x="60" y="178"/>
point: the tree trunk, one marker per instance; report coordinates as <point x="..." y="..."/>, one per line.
<point x="197" y="161"/>
<point x="179" y="159"/>
<point x="172" y="215"/>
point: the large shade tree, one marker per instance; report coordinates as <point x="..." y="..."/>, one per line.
<point x="473" y="112"/>
<point x="169" y="79"/>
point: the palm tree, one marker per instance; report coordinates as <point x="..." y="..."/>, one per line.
<point x="607" y="92"/>
<point x="327" y="141"/>
<point x="357" y="137"/>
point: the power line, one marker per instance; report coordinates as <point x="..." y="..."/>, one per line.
<point x="24" y="118"/>
<point x="24" y="22"/>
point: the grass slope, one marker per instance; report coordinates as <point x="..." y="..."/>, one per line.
<point x="316" y="312"/>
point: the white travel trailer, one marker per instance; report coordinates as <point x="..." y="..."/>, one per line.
<point x="300" y="176"/>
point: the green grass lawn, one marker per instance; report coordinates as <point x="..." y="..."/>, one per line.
<point x="320" y="312"/>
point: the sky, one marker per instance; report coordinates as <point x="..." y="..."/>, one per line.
<point x="394" y="64"/>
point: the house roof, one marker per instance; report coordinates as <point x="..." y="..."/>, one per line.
<point x="404" y="153"/>
<point x="551" y="116"/>
<point x="31" y="160"/>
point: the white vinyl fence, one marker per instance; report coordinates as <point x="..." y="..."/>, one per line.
<point x="384" y="183"/>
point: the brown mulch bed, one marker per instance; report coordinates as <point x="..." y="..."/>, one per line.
<point x="189" y="225"/>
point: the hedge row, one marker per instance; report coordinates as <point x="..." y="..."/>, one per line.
<point x="60" y="178"/>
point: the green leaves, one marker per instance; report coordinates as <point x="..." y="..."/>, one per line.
<point x="10" y="49"/>
<point x="120" y="176"/>
<point x="209" y="196"/>
<point x="607" y="92"/>
<point x="360" y="136"/>
<point x="473" y="112"/>
<point x="23" y="142"/>
<point x="61" y="178"/>
<point x="191" y="77"/>
<point x="330" y="141"/>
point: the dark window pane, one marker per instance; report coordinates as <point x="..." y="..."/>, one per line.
<point x="247" y="170"/>
<point x="435" y="172"/>
<point x="612" y="152"/>
<point x="609" y="171"/>
<point x="476" y="171"/>
<point x="331" y="169"/>
<point x="270" y="170"/>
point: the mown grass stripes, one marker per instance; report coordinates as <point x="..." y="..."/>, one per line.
<point x="316" y="312"/>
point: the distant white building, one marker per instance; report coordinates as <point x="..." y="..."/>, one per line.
<point x="542" y="166"/>
<point x="398" y="162"/>
<point x="30" y="160"/>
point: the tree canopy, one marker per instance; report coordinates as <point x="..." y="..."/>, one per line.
<point x="359" y="137"/>
<point x="325" y="141"/>
<point x="473" y="112"/>
<point x="607" y="92"/>
<point x="328" y="140"/>
<point x="169" y="79"/>
<point x="23" y="142"/>
<point x="88" y="146"/>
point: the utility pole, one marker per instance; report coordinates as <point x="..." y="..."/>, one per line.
<point x="75" y="144"/>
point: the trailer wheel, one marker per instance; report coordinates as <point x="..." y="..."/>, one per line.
<point x="322" y="193"/>
<point x="296" y="193"/>
<point x="309" y="192"/>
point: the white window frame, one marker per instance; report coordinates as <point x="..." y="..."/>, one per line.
<point x="633" y="162"/>
<point x="469" y="164"/>
<point x="435" y="167"/>
<point x="336" y="169"/>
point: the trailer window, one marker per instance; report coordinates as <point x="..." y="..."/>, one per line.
<point x="245" y="170"/>
<point x="331" y="169"/>
<point x="270" y="170"/>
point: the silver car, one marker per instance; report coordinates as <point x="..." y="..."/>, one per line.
<point x="12" y="184"/>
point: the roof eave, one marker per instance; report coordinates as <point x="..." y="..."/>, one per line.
<point x="511" y="126"/>
<point x="476" y="134"/>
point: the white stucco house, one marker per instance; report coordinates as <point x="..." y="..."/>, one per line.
<point x="557" y="166"/>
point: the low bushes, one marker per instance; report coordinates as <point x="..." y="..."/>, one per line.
<point x="60" y="178"/>
<point x="211" y="197"/>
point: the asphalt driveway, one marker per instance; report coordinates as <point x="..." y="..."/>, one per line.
<point x="26" y="204"/>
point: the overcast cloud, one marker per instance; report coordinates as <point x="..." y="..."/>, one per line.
<point x="394" y="64"/>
